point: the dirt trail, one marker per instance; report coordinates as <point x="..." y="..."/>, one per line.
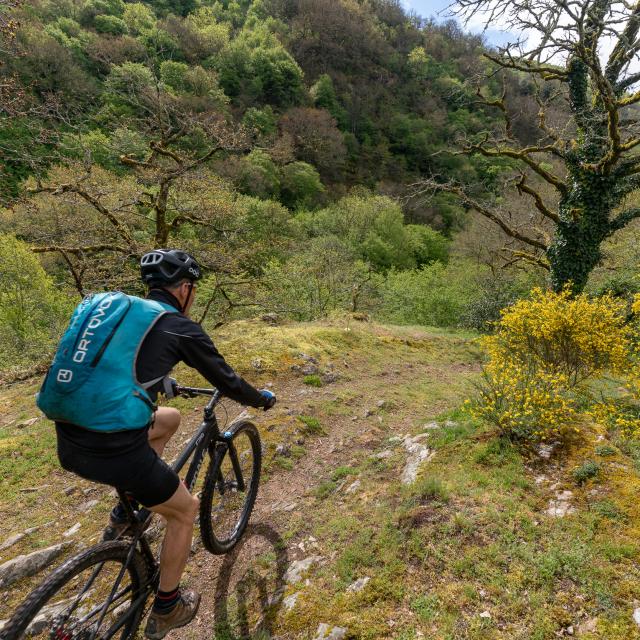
<point x="252" y="577"/>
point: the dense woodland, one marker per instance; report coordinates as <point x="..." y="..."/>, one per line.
<point x="280" y="141"/>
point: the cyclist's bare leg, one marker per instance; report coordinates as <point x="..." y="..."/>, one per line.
<point x="165" y="424"/>
<point x="179" y="511"/>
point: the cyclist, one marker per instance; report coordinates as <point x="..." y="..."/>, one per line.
<point x="131" y="458"/>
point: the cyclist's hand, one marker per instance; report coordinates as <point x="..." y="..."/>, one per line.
<point x="269" y="398"/>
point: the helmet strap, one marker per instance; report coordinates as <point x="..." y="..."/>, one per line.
<point x="186" y="302"/>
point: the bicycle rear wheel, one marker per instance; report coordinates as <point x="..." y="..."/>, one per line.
<point x="79" y="601"/>
<point x="230" y="489"/>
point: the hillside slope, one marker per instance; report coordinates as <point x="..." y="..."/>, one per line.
<point x="474" y="548"/>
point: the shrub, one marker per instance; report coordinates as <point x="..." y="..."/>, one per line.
<point x="112" y="25"/>
<point x="32" y="313"/>
<point x="589" y="469"/>
<point x="435" y="294"/>
<point x="544" y="351"/>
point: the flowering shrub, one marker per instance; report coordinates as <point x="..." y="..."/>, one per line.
<point x="544" y="350"/>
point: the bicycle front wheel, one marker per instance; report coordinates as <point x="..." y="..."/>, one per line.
<point x="230" y="489"/>
<point x="98" y="594"/>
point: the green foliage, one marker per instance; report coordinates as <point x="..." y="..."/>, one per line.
<point x="312" y="380"/>
<point x="259" y="175"/>
<point x="435" y="295"/>
<point x="138" y="17"/>
<point x="316" y="281"/>
<point x="324" y="96"/>
<point x="261" y="122"/>
<point x="374" y="226"/>
<point x="111" y="25"/>
<point x="586" y="471"/>
<point x="258" y="68"/>
<point x="300" y="185"/>
<point x="32" y="312"/>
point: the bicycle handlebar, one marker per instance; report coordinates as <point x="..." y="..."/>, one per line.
<point x="192" y="392"/>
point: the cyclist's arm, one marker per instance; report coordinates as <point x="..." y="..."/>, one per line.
<point x="198" y="351"/>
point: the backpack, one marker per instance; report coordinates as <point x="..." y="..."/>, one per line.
<point x="92" y="379"/>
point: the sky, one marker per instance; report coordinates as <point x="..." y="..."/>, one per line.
<point x="438" y="10"/>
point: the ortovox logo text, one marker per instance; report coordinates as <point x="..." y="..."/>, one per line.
<point x="64" y="375"/>
<point x="195" y="272"/>
<point x="94" y="322"/>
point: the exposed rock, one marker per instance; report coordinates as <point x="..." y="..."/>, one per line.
<point x="270" y="318"/>
<point x="298" y="567"/>
<point x="387" y="453"/>
<point x="88" y="505"/>
<point x="306" y="358"/>
<point x="589" y="625"/>
<point x="283" y="450"/>
<point x="418" y="453"/>
<point x="309" y="369"/>
<point x="11" y="540"/>
<point x="545" y="451"/>
<point x="367" y="413"/>
<point x="449" y="424"/>
<point x="381" y="404"/>
<point x="26" y="423"/>
<point x="70" y="489"/>
<point x="290" y="601"/>
<point x="329" y="376"/>
<point x="431" y="425"/>
<point x="27" y="565"/>
<point x="561" y="505"/>
<point x="353" y="487"/>
<point x="73" y="530"/>
<point x="358" y="585"/>
<point x="485" y="614"/>
<point x="325" y="632"/>
<point x="257" y="364"/>
<point x="636" y="616"/>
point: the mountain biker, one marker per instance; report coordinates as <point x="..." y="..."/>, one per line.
<point x="130" y="458"/>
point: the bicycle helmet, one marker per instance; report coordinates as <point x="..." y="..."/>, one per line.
<point x="167" y="266"/>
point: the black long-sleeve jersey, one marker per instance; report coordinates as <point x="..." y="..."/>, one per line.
<point x="176" y="338"/>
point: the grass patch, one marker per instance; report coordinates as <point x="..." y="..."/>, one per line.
<point x="428" y="489"/>
<point x="426" y="607"/>
<point x="313" y="380"/>
<point x="325" y="489"/>
<point x="342" y="472"/>
<point x="496" y="452"/>
<point x="312" y="425"/>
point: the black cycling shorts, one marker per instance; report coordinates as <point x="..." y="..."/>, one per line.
<point x="122" y="459"/>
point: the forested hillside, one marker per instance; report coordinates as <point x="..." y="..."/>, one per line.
<point x="277" y="140"/>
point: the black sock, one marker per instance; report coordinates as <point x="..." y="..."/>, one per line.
<point x="118" y="511"/>
<point x="166" y="600"/>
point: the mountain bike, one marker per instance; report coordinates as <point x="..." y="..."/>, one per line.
<point x="102" y="593"/>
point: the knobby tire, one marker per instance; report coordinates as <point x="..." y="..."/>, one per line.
<point x="215" y="485"/>
<point x="109" y="551"/>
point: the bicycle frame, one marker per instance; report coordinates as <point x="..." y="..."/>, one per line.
<point x="206" y="439"/>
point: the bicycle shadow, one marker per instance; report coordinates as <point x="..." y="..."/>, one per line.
<point x="258" y="591"/>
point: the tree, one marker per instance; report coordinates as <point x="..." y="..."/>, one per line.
<point x="591" y="163"/>
<point x="31" y="311"/>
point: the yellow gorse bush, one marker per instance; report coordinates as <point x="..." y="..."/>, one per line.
<point x="544" y="350"/>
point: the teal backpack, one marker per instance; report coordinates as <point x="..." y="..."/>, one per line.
<point x="92" y="380"/>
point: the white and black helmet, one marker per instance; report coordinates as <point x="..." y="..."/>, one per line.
<point x="167" y="266"/>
